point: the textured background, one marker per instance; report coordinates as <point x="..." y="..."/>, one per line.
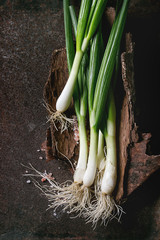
<point x="29" y="32"/>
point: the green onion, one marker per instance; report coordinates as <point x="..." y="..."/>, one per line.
<point x="83" y="151"/>
<point x="70" y="48"/>
<point x="108" y="63"/>
<point x="83" y="154"/>
<point x="94" y="21"/>
<point x="73" y="18"/>
<point x="94" y="2"/>
<point x="110" y="173"/>
<point x="95" y="59"/>
<point x="82" y="43"/>
<point x="94" y="65"/>
<point x="68" y="35"/>
<point x="80" y="95"/>
<point x="90" y="172"/>
<point x="82" y="21"/>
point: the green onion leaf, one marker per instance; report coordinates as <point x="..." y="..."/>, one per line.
<point x="108" y="62"/>
<point x="82" y="21"/>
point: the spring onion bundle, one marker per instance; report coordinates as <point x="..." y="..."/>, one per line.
<point x="92" y="68"/>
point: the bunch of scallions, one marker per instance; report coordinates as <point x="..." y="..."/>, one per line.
<point x="92" y="72"/>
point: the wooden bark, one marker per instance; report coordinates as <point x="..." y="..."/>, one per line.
<point x="134" y="165"/>
<point x="63" y="144"/>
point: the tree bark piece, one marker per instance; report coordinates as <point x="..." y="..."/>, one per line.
<point x="63" y="145"/>
<point x="134" y="166"/>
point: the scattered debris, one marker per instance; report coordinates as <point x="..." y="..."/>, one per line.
<point x="28" y="181"/>
<point x="47" y="176"/>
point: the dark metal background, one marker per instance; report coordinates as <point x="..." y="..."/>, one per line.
<point x="29" y="32"/>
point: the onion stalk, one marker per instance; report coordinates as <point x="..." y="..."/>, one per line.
<point x="95" y="59"/>
<point x="82" y="42"/>
<point x="108" y="63"/>
<point x="70" y="195"/>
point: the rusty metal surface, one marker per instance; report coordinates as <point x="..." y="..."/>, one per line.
<point x="28" y="36"/>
